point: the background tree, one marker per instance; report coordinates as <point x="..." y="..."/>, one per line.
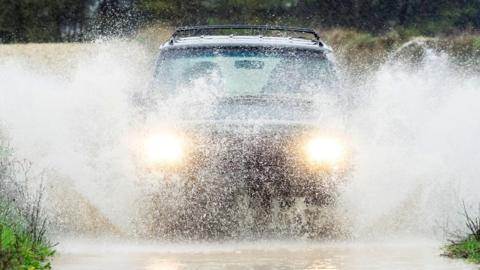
<point x="71" y="20"/>
<point x="114" y="17"/>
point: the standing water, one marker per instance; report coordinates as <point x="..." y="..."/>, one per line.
<point x="413" y="129"/>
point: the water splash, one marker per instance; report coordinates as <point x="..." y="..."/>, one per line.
<point x="77" y="123"/>
<point x="414" y="129"/>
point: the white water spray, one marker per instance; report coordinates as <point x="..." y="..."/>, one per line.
<point x="414" y="132"/>
<point x="77" y="124"/>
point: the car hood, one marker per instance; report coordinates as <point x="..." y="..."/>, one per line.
<point x="249" y="110"/>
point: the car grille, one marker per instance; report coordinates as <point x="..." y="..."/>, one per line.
<point x="233" y="150"/>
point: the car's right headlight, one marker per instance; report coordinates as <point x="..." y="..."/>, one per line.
<point x="164" y="149"/>
<point x="324" y="150"/>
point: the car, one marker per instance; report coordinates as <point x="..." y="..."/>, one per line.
<point x="237" y="123"/>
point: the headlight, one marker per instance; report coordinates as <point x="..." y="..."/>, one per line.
<point x="324" y="150"/>
<point x="164" y="149"/>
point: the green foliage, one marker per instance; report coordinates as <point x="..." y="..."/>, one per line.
<point x="40" y="20"/>
<point x="23" y="244"/>
<point x="19" y="251"/>
<point x="432" y="17"/>
<point x="19" y="248"/>
<point x="468" y="249"/>
<point x="66" y="20"/>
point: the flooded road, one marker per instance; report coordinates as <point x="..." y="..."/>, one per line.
<point x="255" y="255"/>
<point x="407" y="123"/>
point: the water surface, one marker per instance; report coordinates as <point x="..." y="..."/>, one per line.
<point x="256" y="255"/>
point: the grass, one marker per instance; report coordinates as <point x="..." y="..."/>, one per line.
<point x="466" y="247"/>
<point x="356" y="52"/>
<point x="23" y="242"/>
<point x="18" y="250"/>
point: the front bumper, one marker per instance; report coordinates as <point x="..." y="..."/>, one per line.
<point x="254" y="154"/>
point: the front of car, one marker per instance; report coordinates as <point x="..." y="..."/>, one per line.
<point x="244" y="108"/>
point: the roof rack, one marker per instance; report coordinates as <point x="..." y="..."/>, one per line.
<point x="190" y="31"/>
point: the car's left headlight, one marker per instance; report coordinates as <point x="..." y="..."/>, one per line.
<point x="323" y="150"/>
<point x="164" y="149"/>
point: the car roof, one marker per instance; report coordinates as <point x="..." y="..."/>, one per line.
<point x="247" y="41"/>
<point x="207" y="36"/>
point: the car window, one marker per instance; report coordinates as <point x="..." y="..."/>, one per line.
<point x="244" y="71"/>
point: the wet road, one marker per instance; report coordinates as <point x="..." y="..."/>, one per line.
<point x="96" y="255"/>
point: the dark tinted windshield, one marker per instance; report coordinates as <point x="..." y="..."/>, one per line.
<point x="243" y="71"/>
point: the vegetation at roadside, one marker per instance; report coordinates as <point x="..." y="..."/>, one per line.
<point x="23" y="242"/>
<point x="19" y="251"/>
<point x="70" y="20"/>
<point x="363" y="33"/>
<point x="468" y="249"/>
<point x="467" y="246"/>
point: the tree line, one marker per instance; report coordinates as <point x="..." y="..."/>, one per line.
<point x="74" y="20"/>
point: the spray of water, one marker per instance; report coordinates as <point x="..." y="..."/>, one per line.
<point x="76" y="123"/>
<point x="413" y="129"/>
<point x="414" y="132"/>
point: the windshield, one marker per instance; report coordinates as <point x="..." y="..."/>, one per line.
<point x="243" y="71"/>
